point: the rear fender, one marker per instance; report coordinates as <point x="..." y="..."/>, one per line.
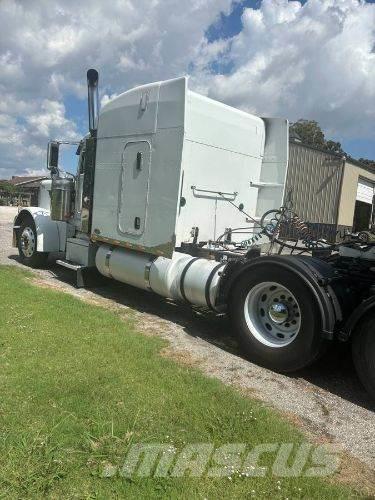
<point x="313" y="272"/>
<point x="51" y="235"/>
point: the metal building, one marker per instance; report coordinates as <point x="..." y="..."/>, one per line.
<point x="356" y="208"/>
<point x="332" y="194"/>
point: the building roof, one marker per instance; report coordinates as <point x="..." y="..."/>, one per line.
<point x="25" y="182"/>
<point x="368" y="168"/>
<point x="21" y="180"/>
<point x="321" y="150"/>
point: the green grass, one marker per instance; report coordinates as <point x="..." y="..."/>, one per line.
<point x="79" y="385"/>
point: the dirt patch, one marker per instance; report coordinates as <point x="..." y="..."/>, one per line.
<point x="353" y="472"/>
<point x="183" y="357"/>
<point x="7" y="214"/>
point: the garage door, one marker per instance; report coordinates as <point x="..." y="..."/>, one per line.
<point x="365" y="191"/>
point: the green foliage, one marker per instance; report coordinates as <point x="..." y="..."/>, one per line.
<point x="334" y="147"/>
<point x="367" y="163"/>
<point x="310" y="132"/>
<point x="7" y="187"/>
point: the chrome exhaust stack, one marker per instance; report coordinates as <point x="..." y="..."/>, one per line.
<point x="93" y="100"/>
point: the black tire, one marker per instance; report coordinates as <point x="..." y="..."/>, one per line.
<point x="35" y="259"/>
<point x="307" y="346"/>
<point x="363" y="351"/>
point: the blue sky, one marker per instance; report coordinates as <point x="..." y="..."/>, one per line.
<point x="313" y="59"/>
<point x="230" y="24"/>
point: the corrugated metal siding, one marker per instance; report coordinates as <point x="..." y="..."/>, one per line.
<point x="314" y="178"/>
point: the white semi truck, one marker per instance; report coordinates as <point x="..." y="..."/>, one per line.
<point x="172" y="194"/>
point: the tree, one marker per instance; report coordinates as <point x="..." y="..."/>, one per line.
<point x="368" y="163"/>
<point x="335" y="147"/>
<point x="7" y="187"/>
<point x="310" y="133"/>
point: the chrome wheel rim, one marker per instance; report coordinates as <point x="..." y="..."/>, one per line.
<point x="28" y="242"/>
<point x="272" y="314"/>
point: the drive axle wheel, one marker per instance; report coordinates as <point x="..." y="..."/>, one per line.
<point x="27" y="245"/>
<point x="273" y="314"/>
<point x="363" y="349"/>
<point x="277" y="318"/>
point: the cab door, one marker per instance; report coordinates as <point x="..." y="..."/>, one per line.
<point x="134" y="188"/>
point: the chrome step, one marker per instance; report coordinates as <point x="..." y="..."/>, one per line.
<point x="84" y="276"/>
<point x="69" y="265"/>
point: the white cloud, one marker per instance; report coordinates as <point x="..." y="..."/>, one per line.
<point x="313" y="61"/>
<point x="50" y="120"/>
<point x="23" y="140"/>
<point x="46" y="48"/>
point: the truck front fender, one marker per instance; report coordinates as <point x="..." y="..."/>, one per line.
<point x="51" y="235"/>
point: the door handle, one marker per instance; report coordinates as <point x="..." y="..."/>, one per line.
<point x="139" y="161"/>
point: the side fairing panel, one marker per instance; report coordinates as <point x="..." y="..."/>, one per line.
<point x="274" y="169"/>
<point x="207" y="172"/>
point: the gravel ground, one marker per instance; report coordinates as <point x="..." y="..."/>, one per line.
<point x="326" y="399"/>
